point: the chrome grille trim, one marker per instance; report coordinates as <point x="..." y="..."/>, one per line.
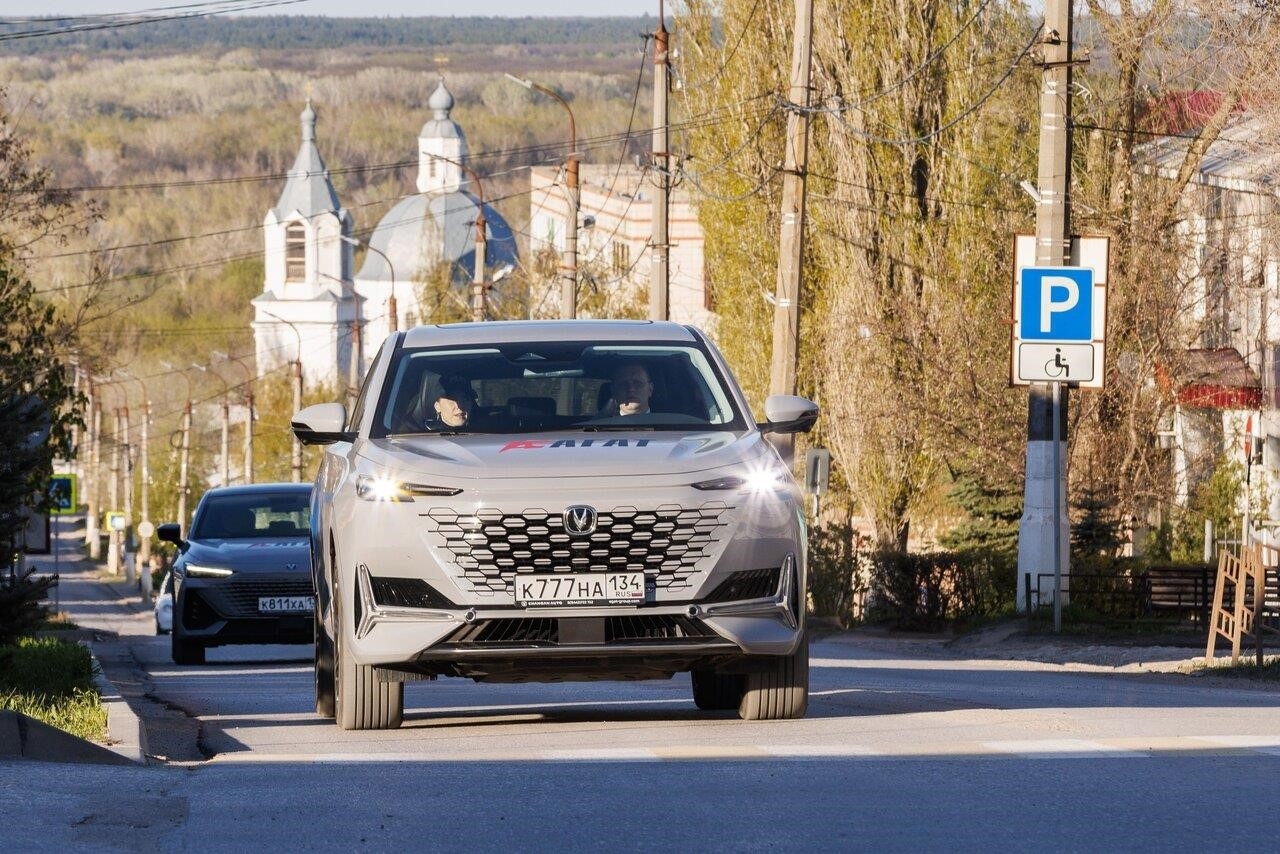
<point x="488" y="547"/>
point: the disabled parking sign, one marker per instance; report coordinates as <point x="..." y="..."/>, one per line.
<point x="1059" y="315"/>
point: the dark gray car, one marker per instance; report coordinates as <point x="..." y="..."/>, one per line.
<point x="244" y="573"/>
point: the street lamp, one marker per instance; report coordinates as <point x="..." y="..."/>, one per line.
<point x="296" y="452"/>
<point x="478" y="308"/>
<point x="391" y="299"/>
<point x="569" y="286"/>
<point x="248" y="419"/>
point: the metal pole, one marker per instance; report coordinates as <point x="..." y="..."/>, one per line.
<point x="144" y="543"/>
<point x="94" y="509"/>
<point x="786" y="311"/>
<point x="184" y="467"/>
<point x="113" y="493"/>
<point x="1057" y="509"/>
<point x="128" y="532"/>
<point x="296" y="455"/>
<point x="248" y="439"/>
<point x="660" y="242"/>
<point x="1041" y="525"/>
<point x="226" y="442"/>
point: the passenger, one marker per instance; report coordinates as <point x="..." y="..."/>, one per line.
<point x="631" y="388"/>
<point x="454" y="403"/>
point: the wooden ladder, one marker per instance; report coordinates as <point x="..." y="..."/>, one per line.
<point x="1244" y="617"/>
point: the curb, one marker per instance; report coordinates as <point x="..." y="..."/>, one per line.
<point x="128" y="737"/>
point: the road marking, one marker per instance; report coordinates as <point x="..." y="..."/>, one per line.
<point x="1062" y="748"/>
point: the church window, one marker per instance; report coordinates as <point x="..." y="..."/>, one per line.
<point x="431" y="167"/>
<point x="295" y="252"/>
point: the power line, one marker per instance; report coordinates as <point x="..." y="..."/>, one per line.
<point x="115" y="22"/>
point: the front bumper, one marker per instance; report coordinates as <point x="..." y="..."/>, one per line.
<point x="553" y="644"/>
<point x="226" y="610"/>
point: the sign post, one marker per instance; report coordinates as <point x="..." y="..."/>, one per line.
<point x="64" y="499"/>
<point x="1058" y="337"/>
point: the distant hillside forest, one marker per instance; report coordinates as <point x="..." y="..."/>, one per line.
<point x="302" y="32"/>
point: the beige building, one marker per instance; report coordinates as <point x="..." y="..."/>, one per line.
<point x="615" y="229"/>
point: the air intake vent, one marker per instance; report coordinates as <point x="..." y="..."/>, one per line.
<point x="746" y="584"/>
<point x="406" y="593"/>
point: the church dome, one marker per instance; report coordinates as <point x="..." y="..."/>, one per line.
<point x="427" y="229"/>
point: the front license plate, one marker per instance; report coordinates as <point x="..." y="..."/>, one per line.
<point x="285" y="604"/>
<point x="594" y="588"/>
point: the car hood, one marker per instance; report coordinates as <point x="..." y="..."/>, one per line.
<point x="565" y="454"/>
<point x="286" y="555"/>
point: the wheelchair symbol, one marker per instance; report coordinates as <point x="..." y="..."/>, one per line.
<point x="1055" y="367"/>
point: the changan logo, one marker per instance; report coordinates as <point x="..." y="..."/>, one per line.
<point x="580" y="519"/>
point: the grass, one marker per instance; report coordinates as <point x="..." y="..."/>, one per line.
<point x="57" y="623"/>
<point x="1248" y="668"/>
<point x="52" y="681"/>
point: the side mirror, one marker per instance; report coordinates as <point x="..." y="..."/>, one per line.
<point x="787" y="413"/>
<point x="170" y="532"/>
<point x="322" y="424"/>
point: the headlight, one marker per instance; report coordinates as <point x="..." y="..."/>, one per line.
<point x="755" y="477"/>
<point x="383" y="488"/>
<point x="195" y="571"/>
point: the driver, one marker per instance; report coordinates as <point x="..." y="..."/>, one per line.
<point x="631" y="388"/>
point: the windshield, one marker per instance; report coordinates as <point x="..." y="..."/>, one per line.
<point x="267" y="515"/>
<point x="519" y="388"/>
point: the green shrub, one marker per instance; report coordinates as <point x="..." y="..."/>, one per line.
<point x="839" y="572"/>
<point x="22" y="607"/>
<point x="927" y="592"/>
<point x="52" y="681"/>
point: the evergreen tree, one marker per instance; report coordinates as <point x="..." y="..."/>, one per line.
<point x="993" y="514"/>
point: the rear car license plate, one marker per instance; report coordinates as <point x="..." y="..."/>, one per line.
<point x="285" y="604"/>
<point x="583" y="588"/>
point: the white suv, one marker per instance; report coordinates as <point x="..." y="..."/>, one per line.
<point x="550" y="501"/>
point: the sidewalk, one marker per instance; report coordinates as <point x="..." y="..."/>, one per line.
<point x="107" y="610"/>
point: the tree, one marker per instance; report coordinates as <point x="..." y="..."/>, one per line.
<point x="911" y="215"/>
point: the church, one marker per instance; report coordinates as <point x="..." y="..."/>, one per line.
<point x="313" y="308"/>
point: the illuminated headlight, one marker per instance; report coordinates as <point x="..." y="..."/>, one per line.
<point x="195" y="571"/>
<point x="379" y="488"/>
<point x="754" y="478"/>
<point x="382" y="488"/>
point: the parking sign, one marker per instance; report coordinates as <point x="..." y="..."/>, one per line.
<point x="1060" y="315"/>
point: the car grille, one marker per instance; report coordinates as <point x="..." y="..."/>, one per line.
<point x="515" y="631"/>
<point x="238" y="597"/>
<point x="489" y="547"/>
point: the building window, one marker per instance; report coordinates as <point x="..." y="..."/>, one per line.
<point x="621" y="259"/>
<point x="295" y="252"/>
<point x="431" y="167"/>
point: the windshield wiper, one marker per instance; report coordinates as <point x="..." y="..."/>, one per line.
<point x="617" y="428"/>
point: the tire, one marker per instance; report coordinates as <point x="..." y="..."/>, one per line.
<point x="717" y="692"/>
<point x="184" y="651"/>
<point x="780" y="691"/>
<point x="360" y="700"/>
<point x="325" y="699"/>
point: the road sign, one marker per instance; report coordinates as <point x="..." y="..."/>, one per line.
<point x="63" y="494"/>
<point x="115" y="520"/>
<point x="146" y="529"/>
<point x="1060" y="315"/>
<point x="1063" y="363"/>
<point x="817" y="470"/>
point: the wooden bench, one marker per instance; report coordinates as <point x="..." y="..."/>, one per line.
<point x="1179" y="589"/>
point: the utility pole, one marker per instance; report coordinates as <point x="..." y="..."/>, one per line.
<point x="95" y="483"/>
<point x="129" y="529"/>
<point x="248" y="438"/>
<point x="90" y="471"/>
<point x="113" y="491"/>
<point x="786" y="309"/>
<point x="144" y="541"/>
<point x="479" y="307"/>
<point x="184" y="466"/>
<point x="226" y="441"/>
<point x="296" y="454"/>
<point x="659" y="243"/>
<point x="1043" y="532"/>
<point x="353" y="380"/>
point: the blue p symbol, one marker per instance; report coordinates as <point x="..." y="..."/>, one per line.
<point x="1057" y="304"/>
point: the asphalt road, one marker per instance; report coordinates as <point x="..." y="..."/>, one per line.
<point x="906" y="747"/>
